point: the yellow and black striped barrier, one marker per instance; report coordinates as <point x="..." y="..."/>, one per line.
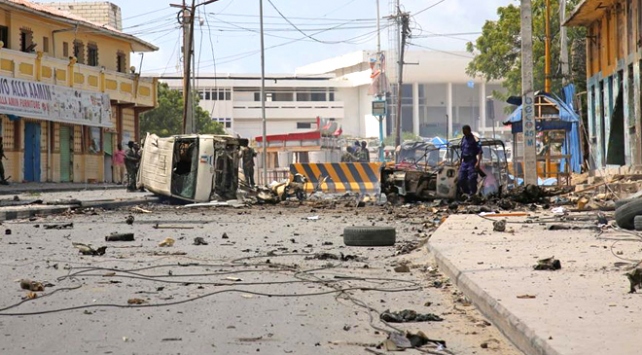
<point x="339" y="177"/>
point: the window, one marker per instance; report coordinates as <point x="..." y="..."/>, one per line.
<point x="65" y="49"/>
<point x="302" y="96"/>
<point x="92" y="54"/>
<point x="4" y="36"/>
<point x="257" y="96"/>
<point x="226" y="122"/>
<point x="208" y="95"/>
<point x="45" y="44"/>
<point x="331" y="97"/>
<point x="26" y="40"/>
<point x="303" y="125"/>
<point x="121" y="62"/>
<point x="282" y="96"/>
<point x="201" y="94"/>
<point x="79" y="51"/>
<point x="319" y="96"/>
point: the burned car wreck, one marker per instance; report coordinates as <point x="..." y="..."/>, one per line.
<point x="426" y="172"/>
<point x="192" y="168"/>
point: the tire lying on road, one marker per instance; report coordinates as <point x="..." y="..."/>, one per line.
<point x="625" y="214"/>
<point x="637" y="223"/>
<point x="369" y="236"/>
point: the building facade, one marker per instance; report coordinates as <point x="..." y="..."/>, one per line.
<point x="613" y="79"/>
<point x="337" y="89"/>
<point x="67" y="93"/>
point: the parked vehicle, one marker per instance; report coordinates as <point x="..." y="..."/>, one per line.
<point x="194" y="168"/>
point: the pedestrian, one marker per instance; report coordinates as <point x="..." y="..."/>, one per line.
<point x="131" y="163"/>
<point x="357" y="148"/>
<point x="248" y="155"/>
<point x="364" y="155"/>
<point x="348" y="156"/>
<point x="471" y="155"/>
<point x="3" y="180"/>
<point x="118" y="163"/>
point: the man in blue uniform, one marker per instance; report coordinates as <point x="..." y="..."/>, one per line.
<point x="471" y="154"/>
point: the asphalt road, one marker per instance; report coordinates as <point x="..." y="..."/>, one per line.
<point x="257" y="291"/>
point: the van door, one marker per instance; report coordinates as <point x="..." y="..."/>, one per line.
<point x="156" y="164"/>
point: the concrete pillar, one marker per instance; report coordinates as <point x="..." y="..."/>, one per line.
<point x="415" y="108"/>
<point x="482" y="108"/>
<point x="449" y="108"/>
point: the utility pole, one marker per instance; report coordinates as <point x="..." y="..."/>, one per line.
<point x="263" y="116"/>
<point x="186" y="20"/>
<point x="564" y="44"/>
<point x="379" y="93"/>
<point x="404" y="18"/>
<point x="547" y="48"/>
<point x="528" y="111"/>
<point x="187" y="69"/>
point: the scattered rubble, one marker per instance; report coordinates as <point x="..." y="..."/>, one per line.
<point x="548" y="264"/>
<point x="33" y="286"/>
<point x="635" y="278"/>
<point x="330" y="256"/>
<point x="86" y="249"/>
<point x="60" y="226"/>
<point x="167" y="242"/>
<point x="120" y="237"/>
<point x="200" y="241"/>
<point x="129" y="220"/>
<point x="407" y="316"/>
<point x="499" y="226"/>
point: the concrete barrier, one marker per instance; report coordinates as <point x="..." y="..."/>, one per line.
<point x="339" y="177"/>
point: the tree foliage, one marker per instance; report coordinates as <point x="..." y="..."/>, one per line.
<point x="167" y="119"/>
<point x="498" y="50"/>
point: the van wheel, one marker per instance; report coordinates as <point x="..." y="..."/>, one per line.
<point x="369" y="236"/>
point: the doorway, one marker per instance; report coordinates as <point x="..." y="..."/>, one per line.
<point x="108" y="150"/>
<point x="32" y="152"/>
<point x="66" y="154"/>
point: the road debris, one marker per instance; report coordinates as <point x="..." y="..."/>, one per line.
<point x="30" y="296"/>
<point x="120" y="237"/>
<point x="330" y="256"/>
<point x="167" y="242"/>
<point x="129" y="220"/>
<point x="235" y="279"/>
<point x="225" y="236"/>
<point x="200" y="241"/>
<point x="86" y="249"/>
<point x="635" y="278"/>
<point x="136" y="301"/>
<point x="140" y="210"/>
<point x="408" y="315"/>
<point x="548" y="264"/>
<point x="402" y="268"/>
<point x="399" y="341"/>
<point x="526" y="297"/>
<point x="29" y="285"/>
<point x="60" y="226"/>
<point x="313" y="218"/>
<point x="169" y="226"/>
<point x="499" y="226"/>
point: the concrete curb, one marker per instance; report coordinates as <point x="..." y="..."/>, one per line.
<point x="54" y="210"/>
<point x="511" y="326"/>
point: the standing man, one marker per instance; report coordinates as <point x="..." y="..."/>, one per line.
<point x="3" y="180"/>
<point x="131" y="163"/>
<point x="364" y="156"/>
<point x="471" y="154"/>
<point x="118" y="162"/>
<point x="248" y="155"/>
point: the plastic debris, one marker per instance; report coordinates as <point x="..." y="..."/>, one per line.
<point x="167" y="242"/>
<point x="120" y="237"/>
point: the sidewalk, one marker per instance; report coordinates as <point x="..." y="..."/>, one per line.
<point x="34" y="203"/>
<point x="584" y="308"/>
<point x="16" y="188"/>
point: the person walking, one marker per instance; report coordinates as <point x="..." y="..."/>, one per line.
<point x="471" y="155"/>
<point x="248" y="155"/>
<point x="3" y="180"/>
<point x="131" y="163"/>
<point x="118" y="164"/>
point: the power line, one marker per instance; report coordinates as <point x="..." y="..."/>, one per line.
<point x="428" y="8"/>
<point x="441" y="51"/>
<point x="303" y="18"/>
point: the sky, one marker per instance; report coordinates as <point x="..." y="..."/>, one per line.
<point x="227" y="34"/>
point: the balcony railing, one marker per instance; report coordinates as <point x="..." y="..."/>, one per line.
<point x="289" y="109"/>
<point x="125" y="88"/>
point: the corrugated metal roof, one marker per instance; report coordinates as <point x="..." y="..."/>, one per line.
<point x="588" y="11"/>
<point x="138" y="44"/>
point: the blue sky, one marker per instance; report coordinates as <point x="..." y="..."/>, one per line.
<point x="229" y="27"/>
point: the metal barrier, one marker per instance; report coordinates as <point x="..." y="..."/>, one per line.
<point x="340" y="177"/>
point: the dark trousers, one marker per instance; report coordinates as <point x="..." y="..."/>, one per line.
<point x="248" y="171"/>
<point x="468" y="177"/>
<point x="2" y="178"/>
<point x="131" y="177"/>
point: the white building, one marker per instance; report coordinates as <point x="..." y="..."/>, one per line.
<point x="436" y="88"/>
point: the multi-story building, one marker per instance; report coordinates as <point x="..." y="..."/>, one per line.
<point x="437" y="95"/>
<point x="68" y="95"/>
<point x="613" y="67"/>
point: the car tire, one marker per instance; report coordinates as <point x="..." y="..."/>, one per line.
<point x="620" y="203"/>
<point x="625" y="214"/>
<point x="369" y="236"/>
<point x="637" y="223"/>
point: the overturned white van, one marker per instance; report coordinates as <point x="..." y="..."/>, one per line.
<point x="194" y="168"/>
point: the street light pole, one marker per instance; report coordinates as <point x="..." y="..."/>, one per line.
<point x="264" y="157"/>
